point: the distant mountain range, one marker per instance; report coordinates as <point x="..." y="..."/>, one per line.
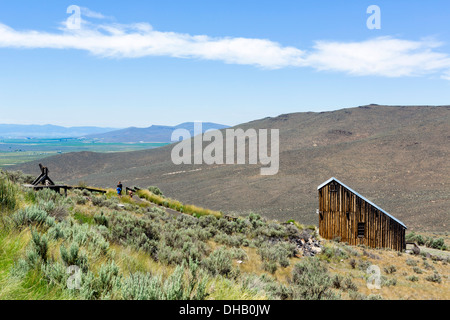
<point x="153" y="133"/>
<point x="150" y="134"/>
<point x="23" y="131"/>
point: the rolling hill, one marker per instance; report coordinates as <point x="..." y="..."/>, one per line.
<point x="151" y="134"/>
<point x="396" y="156"/>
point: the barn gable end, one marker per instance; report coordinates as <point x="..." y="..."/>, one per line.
<point x="346" y="214"/>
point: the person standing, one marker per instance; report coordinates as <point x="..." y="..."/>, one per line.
<point x="119" y="189"/>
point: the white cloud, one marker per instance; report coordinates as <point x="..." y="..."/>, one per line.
<point x="384" y="56"/>
<point x="140" y="40"/>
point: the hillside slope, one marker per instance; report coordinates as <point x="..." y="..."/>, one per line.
<point x="397" y="157"/>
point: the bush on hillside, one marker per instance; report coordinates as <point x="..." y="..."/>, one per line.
<point x="219" y="262"/>
<point x="155" y="190"/>
<point x="311" y="281"/>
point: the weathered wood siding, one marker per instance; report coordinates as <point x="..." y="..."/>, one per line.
<point x="340" y="212"/>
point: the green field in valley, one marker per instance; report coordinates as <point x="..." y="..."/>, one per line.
<point x="15" y="151"/>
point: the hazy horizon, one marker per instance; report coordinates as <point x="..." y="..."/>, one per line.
<point x="225" y="124"/>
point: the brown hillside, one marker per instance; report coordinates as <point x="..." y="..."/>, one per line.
<point x="397" y="157"/>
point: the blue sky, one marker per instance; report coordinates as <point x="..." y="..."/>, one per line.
<point x="138" y="63"/>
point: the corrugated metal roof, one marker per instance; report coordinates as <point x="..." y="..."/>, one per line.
<point x="365" y="199"/>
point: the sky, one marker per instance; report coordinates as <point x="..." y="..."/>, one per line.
<point x="141" y="63"/>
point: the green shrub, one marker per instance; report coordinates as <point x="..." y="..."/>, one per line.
<point x="18" y="177"/>
<point x="351" y="251"/>
<point x="103" y="286"/>
<point x="412" y="278"/>
<point x="141" y="286"/>
<point x="279" y="252"/>
<point x="168" y="255"/>
<point x="411" y="262"/>
<point x="138" y="232"/>
<point x="21" y="267"/>
<point x="413" y="237"/>
<point x="32" y="215"/>
<point x="270" y="266"/>
<point x="390" y="269"/>
<point x="144" y="286"/>
<point x="437" y="244"/>
<point x="57" y="210"/>
<point x="40" y="244"/>
<point x="208" y="221"/>
<point x="349" y="284"/>
<point x="239" y="254"/>
<point x="80" y="199"/>
<point x="225" y="226"/>
<point x="417" y="270"/>
<point x="99" y="201"/>
<point x="427" y="265"/>
<point x="435" y="277"/>
<point x="32" y="258"/>
<point x="185" y="244"/>
<point x="108" y="275"/>
<point x="229" y="240"/>
<point x="346" y="284"/>
<point x="311" y="281"/>
<point x="219" y="262"/>
<point x="334" y="253"/>
<point x="55" y="274"/>
<point x="47" y="194"/>
<point x="387" y="282"/>
<point x="86" y="193"/>
<point x="337" y="281"/>
<point x="155" y="190"/>
<point x="73" y="256"/>
<point x="278" y="291"/>
<point x="101" y="219"/>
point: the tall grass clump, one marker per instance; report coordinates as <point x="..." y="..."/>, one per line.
<point x="8" y="193"/>
<point x="182" y="284"/>
<point x="176" y="205"/>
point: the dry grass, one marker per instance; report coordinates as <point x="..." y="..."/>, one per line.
<point x="177" y="205"/>
<point x="404" y="289"/>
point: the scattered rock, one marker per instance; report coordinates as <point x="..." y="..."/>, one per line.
<point x="307" y="246"/>
<point x="316" y="250"/>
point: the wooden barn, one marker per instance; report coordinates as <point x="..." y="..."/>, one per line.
<point x="346" y="214"/>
